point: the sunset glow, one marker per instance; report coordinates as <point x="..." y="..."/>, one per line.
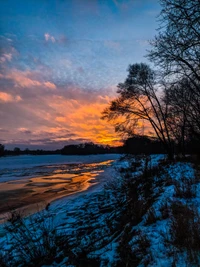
<point x="61" y="62"/>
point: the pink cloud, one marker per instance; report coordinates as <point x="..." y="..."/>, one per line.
<point x="49" y="37"/>
<point x="6" y="57"/>
<point x="50" y="85"/>
<point x="5" y="97"/>
<point x="27" y="79"/>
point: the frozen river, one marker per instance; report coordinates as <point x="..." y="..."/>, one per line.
<point x="31" y="180"/>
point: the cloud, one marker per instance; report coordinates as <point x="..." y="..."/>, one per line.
<point x="50" y="85"/>
<point x="60" y="116"/>
<point x="3" y="130"/>
<point x="26" y="79"/>
<point x="7" y="50"/>
<point x="24" y="130"/>
<point x="66" y="63"/>
<point x="142" y="42"/>
<point x="49" y="37"/>
<point x="61" y="119"/>
<point x="121" y="4"/>
<point x="51" y="138"/>
<point x="81" y="113"/>
<point x="5" y="97"/>
<point x="5" y="57"/>
<point x="113" y="45"/>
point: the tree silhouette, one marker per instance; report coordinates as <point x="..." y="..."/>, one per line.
<point x="2" y="150"/>
<point x="139" y="99"/>
<point x="86" y="149"/>
<point x="176" y="48"/>
<point x="17" y="151"/>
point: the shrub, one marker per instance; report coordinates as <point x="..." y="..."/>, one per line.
<point x="151" y="216"/>
<point x="4" y="261"/>
<point x="133" y="253"/>
<point x="185" y="229"/>
<point x="185" y="187"/>
<point x="35" y="243"/>
<point x="165" y="210"/>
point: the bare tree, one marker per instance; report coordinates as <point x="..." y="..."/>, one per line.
<point x="141" y="99"/>
<point x="176" y="48"/>
<point x="179" y="99"/>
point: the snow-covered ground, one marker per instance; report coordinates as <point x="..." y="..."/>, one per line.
<point x="61" y="208"/>
<point x="94" y="220"/>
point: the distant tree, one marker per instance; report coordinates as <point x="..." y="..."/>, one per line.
<point x="2" y="150"/>
<point x="141" y="99"/>
<point x="86" y="149"/>
<point x="27" y="151"/>
<point x="17" y="150"/>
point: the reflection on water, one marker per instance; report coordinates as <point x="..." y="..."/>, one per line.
<point x="50" y="182"/>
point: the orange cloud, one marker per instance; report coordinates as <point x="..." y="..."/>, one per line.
<point x="5" y="97"/>
<point x="61" y="119"/>
<point x="70" y="113"/>
<point x="84" y="118"/>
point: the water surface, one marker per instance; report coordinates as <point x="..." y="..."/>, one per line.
<point x="28" y="180"/>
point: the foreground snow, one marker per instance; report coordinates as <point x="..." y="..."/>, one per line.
<point x="93" y="219"/>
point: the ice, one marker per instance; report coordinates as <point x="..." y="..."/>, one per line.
<point x="25" y="166"/>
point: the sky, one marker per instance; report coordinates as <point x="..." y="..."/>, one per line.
<point x="60" y="64"/>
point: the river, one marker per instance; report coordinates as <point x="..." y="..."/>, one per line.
<point x="37" y="180"/>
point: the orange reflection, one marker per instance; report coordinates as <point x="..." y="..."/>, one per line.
<point x="62" y="182"/>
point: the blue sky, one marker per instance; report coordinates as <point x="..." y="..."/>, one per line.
<point x="61" y="61"/>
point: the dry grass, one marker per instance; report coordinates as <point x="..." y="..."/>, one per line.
<point x="33" y="244"/>
<point x="185" y="230"/>
<point x="151" y="216"/>
<point x="129" y="256"/>
<point x="185" y="188"/>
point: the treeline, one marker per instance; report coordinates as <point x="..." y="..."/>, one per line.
<point x="17" y="151"/>
<point x="133" y="145"/>
<point x="90" y="148"/>
<point x="80" y="149"/>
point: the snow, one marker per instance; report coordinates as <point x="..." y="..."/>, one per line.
<point x="157" y="232"/>
<point x="95" y="208"/>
